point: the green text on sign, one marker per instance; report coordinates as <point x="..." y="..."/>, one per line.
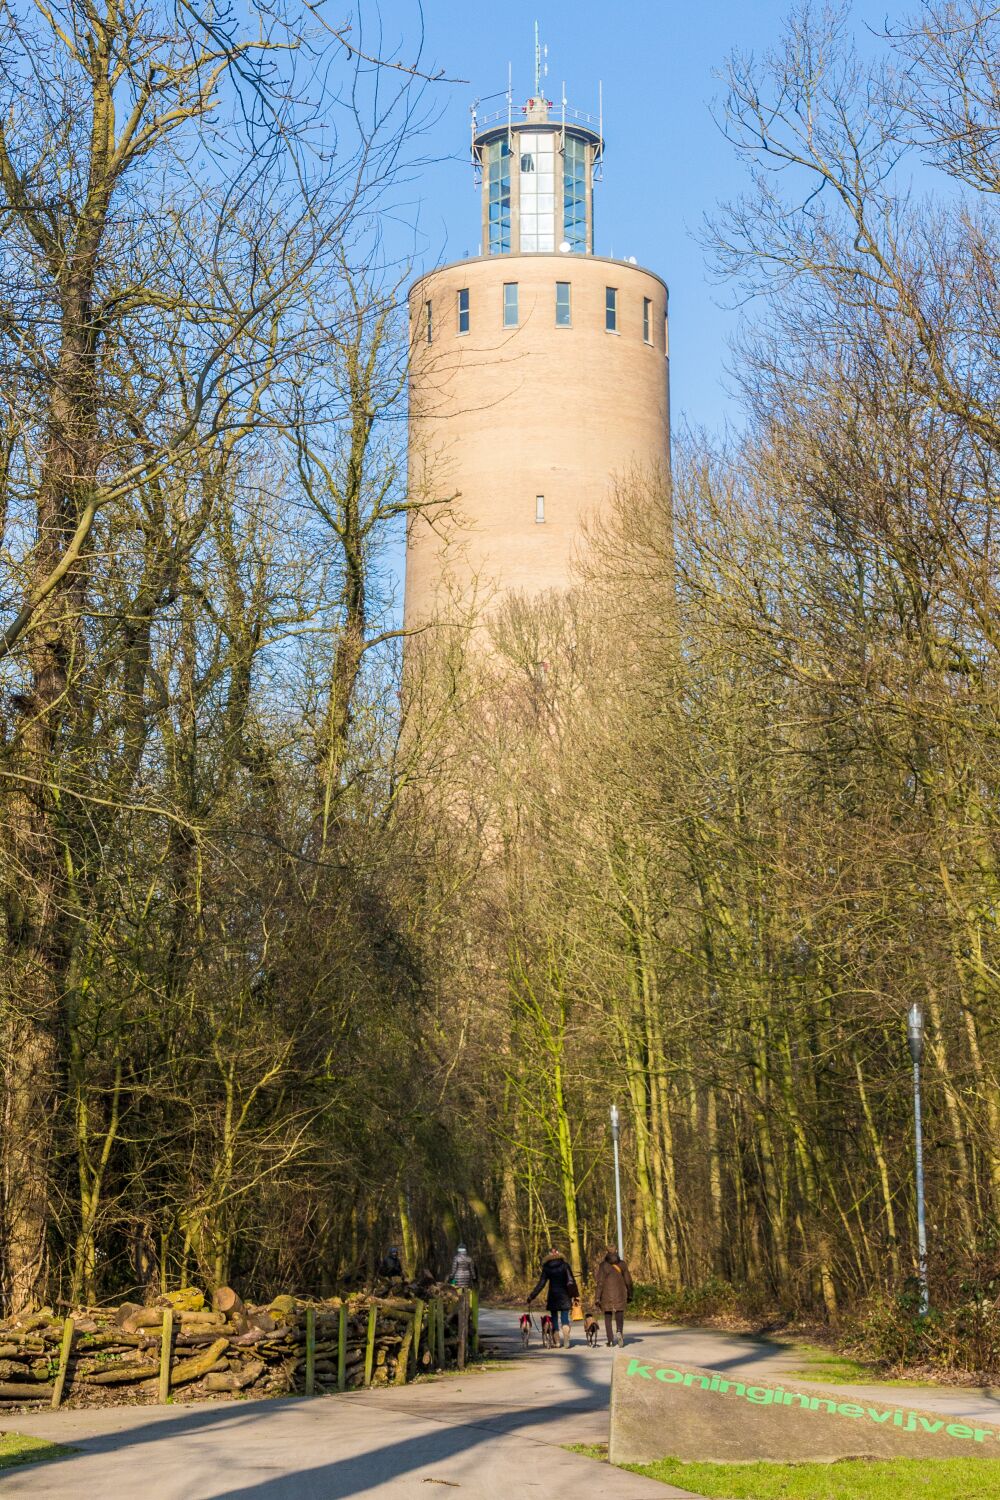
<point x="762" y="1395"/>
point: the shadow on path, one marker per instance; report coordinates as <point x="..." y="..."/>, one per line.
<point x="381" y="1463"/>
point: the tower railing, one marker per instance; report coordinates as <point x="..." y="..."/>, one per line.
<point x="573" y="117"/>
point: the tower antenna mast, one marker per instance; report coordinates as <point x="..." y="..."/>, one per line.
<point x="541" y="64"/>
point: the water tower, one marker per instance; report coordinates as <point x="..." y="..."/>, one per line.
<point x="539" y="371"/>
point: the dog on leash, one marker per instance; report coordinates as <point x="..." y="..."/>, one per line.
<point x="527" y="1324"/>
<point x="591" y="1329"/>
<point x="548" y="1332"/>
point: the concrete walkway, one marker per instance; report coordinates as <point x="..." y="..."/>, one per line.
<point x="494" y="1433"/>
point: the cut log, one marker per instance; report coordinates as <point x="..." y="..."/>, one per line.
<point x="152" y="1317"/>
<point x="396" y="1307"/>
<point x="193" y="1369"/>
<point x="40" y="1319"/>
<point x="191" y="1338"/>
<point x="12" y="1390"/>
<point x="143" y="1317"/>
<point x="107" y="1341"/>
<point x="122" y="1314"/>
<point x="236" y="1380"/>
<point x="352" y="1362"/>
<point x="120" y="1375"/>
<point x="251" y="1337"/>
<point x="230" y="1304"/>
<point x="187" y="1299"/>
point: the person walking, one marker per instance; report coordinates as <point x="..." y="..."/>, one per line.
<point x="614" y="1293"/>
<point x="558" y="1275"/>
<point x="463" y="1269"/>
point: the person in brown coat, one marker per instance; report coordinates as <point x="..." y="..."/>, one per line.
<point x="614" y="1292"/>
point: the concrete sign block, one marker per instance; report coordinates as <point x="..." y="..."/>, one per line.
<point x="666" y="1411"/>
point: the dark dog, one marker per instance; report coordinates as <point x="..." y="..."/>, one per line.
<point x="591" y="1328"/>
<point x="527" y="1324"/>
<point x="548" y="1332"/>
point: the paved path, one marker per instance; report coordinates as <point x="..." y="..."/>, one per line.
<point x="496" y="1433"/>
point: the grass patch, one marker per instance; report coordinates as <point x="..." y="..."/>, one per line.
<point x="834" y="1368"/>
<point x="849" y="1479"/>
<point x="16" y="1449"/>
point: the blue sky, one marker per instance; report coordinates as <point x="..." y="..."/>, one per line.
<point x="667" y="163"/>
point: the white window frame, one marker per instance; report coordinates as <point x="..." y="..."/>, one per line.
<point x="516" y="322"/>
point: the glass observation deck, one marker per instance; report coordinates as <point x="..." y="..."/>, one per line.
<point x="537" y="167"/>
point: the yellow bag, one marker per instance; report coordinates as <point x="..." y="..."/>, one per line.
<point x="576" y="1311"/>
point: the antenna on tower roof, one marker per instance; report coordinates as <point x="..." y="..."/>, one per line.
<point x="541" y="63"/>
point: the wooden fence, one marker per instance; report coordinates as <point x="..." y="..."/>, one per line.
<point x="178" y="1347"/>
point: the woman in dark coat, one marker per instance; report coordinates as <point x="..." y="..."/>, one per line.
<point x="562" y="1289"/>
<point x="614" y="1292"/>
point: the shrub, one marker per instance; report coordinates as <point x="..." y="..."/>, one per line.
<point x="960" y="1332"/>
<point x="708" y="1299"/>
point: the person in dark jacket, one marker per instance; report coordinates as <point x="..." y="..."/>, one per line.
<point x="463" y="1269"/>
<point x="390" y="1264"/>
<point x="557" y="1274"/>
<point x="614" y="1293"/>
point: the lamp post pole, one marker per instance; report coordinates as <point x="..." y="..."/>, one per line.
<point x="615" y="1132"/>
<point x="915" y="1038"/>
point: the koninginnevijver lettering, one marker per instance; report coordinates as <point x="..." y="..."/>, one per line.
<point x="762" y="1395"/>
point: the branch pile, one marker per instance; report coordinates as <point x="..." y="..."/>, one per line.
<point x="115" y="1356"/>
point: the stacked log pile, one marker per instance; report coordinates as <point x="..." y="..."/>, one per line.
<point x="180" y="1349"/>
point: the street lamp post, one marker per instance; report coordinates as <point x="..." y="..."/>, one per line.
<point x="615" y="1132"/>
<point x="915" y="1037"/>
